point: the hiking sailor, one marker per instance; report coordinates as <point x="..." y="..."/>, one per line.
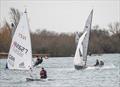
<point x="101" y="63"/>
<point x="97" y="62"/>
<point x="38" y="61"/>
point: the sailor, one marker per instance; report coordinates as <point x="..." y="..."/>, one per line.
<point x="6" y="66"/>
<point x="31" y="72"/>
<point x="101" y="63"/>
<point x="97" y="63"/>
<point x="38" y="61"/>
<point x="43" y="74"/>
<point x="89" y="53"/>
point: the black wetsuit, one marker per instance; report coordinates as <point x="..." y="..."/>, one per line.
<point x="6" y="66"/>
<point x="97" y="63"/>
<point x="39" y="61"/>
<point x="101" y="63"/>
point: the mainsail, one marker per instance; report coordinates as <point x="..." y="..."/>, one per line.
<point x="82" y="47"/>
<point x="20" y="53"/>
<point x="87" y="29"/>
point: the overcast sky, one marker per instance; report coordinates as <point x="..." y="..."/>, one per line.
<point x="63" y="16"/>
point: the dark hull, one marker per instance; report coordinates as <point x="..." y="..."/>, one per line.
<point x="78" y="67"/>
<point x="33" y="79"/>
<point x="30" y="79"/>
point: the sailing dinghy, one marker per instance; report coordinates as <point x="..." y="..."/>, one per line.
<point x="20" y="53"/>
<point x="80" y="57"/>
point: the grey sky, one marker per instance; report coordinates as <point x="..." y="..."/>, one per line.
<point x="63" y="16"/>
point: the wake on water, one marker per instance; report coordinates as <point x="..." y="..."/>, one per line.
<point x="109" y="66"/>
<point x="102" y="67"/>
<point x="72" y="70"/>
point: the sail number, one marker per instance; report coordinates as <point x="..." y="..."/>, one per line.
<point x="11" y="57"/>
<point x="22" y="36"/>
<point x="19" y="47"/>
<point x="11" y="60"/>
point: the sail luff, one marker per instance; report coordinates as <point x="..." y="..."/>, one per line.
<point x="29" y="38"/>
<point x="87" y="29"/>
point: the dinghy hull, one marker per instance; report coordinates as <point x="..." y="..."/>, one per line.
<point x="33" y="79"/>
<point x="78" y="67"/>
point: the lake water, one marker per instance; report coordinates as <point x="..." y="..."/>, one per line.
<point x="63" y="74"/>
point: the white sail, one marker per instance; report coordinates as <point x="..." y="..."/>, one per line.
<point x="78" y="59"/>
<point x="20" y="53"/>
<point x="82" y="47"/>
<point x="87" y="29"/>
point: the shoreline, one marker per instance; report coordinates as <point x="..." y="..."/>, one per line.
<point x="4" y="55"/>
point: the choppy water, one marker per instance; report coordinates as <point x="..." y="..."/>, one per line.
<point x="62" y="72"/>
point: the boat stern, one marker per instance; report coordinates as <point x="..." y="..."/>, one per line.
<point x="78" y="67"/>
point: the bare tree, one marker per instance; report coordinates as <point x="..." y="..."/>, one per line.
<point x="15" y="15"/>
<point x="5" y="39"/>
<point x="114" y="28"/>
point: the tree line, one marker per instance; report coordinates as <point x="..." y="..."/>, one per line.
<point x="63" y="44"/>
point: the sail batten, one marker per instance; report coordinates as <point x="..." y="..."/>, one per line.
<point x="20" y="53"/>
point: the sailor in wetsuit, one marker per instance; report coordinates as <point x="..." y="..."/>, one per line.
<point x="101" y="63"/>
<point x="6" y="66"/>
<point x="43" y="74"/>
<point x="38" y="61"/>
<point x="97" y="63"/>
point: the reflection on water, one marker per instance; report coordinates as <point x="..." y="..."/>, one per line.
<point x="63" y="74"/>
